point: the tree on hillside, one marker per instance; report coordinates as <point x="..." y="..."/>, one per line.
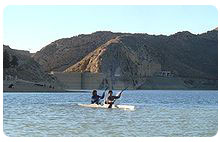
<point x="14" y="61"/>
<point x="6" y="60"/>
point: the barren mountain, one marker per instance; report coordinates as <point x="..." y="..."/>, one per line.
<point x="116" y="58"/>
<point x="63" y="53"/>
<point x="185" y="54"/>
<point x="134" y="55"/>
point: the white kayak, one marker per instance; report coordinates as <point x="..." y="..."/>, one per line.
<point x="128" y="107"/>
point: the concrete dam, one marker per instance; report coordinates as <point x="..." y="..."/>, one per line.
<point x="89" y="80"/>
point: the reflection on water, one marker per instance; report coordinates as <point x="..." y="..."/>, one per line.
<point x="158" y="113"/>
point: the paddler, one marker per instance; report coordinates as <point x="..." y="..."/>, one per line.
<point x="111" y="99"/>
<point x="96" y="98"/>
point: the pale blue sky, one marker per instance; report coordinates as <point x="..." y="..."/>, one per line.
<point x="33" y="27"/>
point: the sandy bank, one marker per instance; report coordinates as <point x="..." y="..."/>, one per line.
<point x="27" y="86"/>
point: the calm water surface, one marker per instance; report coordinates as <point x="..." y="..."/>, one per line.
<point x="157" y="113"/>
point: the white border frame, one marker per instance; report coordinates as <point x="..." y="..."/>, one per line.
<point x="4" y="3"/>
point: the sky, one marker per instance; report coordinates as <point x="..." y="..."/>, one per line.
<point x="33" y="27"/>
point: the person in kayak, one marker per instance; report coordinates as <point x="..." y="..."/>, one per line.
<point x="96" y="98"/>
<point x="111" y="99"/>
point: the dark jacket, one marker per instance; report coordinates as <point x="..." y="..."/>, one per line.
<point x="96" y="98"/>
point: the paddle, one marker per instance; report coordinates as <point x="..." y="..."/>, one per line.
<point x="110" y="106"/>
<point x="106" y="89"/>
<point x="123" y="90"/>
<point x="104" y="94"/>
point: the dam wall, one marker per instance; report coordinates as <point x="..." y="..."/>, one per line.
<point x="69" y="80"/>
<point x="89" y="80"/>
<point x="79" y="80"/>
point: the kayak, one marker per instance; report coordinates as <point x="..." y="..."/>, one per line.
<point x="125" y="107"/>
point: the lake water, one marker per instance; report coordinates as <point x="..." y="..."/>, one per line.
<point x="157" y="113"/>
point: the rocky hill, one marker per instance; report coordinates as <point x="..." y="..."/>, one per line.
<point x="185" y="54"/>
<point x="115" y="58"/>
<point x="27" y="69"/>
<point x="134" y="55"/>
<point x="65" y="52"/>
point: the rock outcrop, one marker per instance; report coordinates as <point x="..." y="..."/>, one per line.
<point x="115" y="58"/>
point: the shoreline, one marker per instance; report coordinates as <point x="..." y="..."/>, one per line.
<point x="152" y="84"/>
<point x="77" y="91"/>
<point x="89" y="91"/>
